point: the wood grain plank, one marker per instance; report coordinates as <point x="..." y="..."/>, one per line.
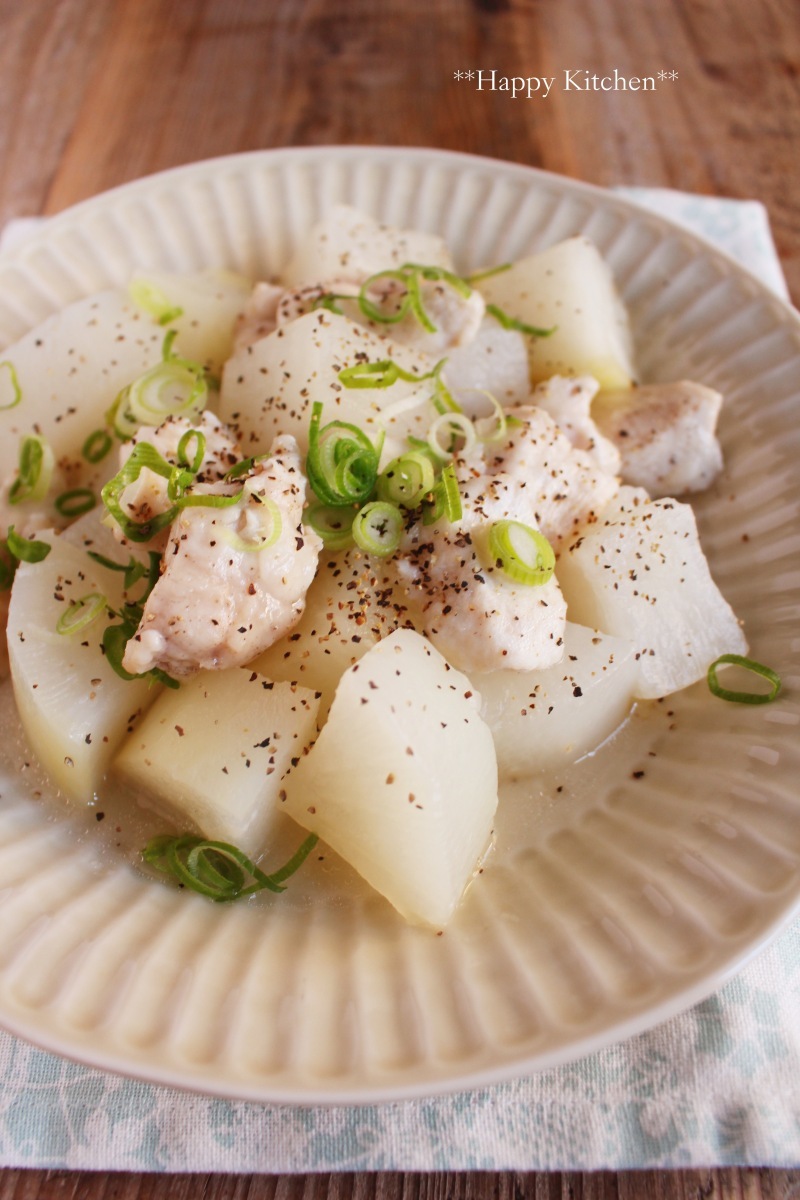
<point x="150" y="84"/>
<point x="714" y="1184"/>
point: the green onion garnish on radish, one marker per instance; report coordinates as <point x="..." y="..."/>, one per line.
<point x="342" y="462"/>
<point x="16" y="390"/>
<point x="81" y="613"/>
<point x="34" y="471"/>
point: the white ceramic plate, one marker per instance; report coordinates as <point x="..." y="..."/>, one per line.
<point x="657" y="869"/>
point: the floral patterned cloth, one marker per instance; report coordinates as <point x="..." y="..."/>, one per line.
<point x="719" y="1085"/>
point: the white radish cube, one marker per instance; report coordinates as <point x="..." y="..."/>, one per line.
<point x="495" y="361"/>
<point x="74" y="708"/>
<point x="541" y="720"/>
<point x="402" y="781"/>
<point x="69" y="371"/>
<point x="213" y="753"/>
<point x="570" y="289"/>
<point x="639" y="573"/>
<point x="347" y="244"/>
<point x="349" y="607"/>
<point x="271" y="386"/>
<point x="210" y="303"/>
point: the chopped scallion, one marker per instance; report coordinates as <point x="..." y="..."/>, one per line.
<point x="457" y="433"/>
<point x="381" y="374"/>
<point x="342" y="462"/>
<point x="154" y="301"/>
<point x="522" y="553"/>
<point x="34" y="472"/>
<point x="377" y="528"/>
<point x="219" y="870"/>
<point x="81" y="613"/>
<point x="24" y="549"/>
<point x="16" y="390"/>
<point x="97" y="446"/>
<point x="75" y="502"/>
<point x="445" y="499"/>
<point x="512" y="323"/>
<point x="747" y="664"/>
<point x="406" y="480"/>
<point x="332" y="524"/>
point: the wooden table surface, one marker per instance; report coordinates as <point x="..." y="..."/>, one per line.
<point x="97" y="92"/>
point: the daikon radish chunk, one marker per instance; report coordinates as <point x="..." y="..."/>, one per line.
<point x="67" y="372"/>
<point x="347" y="244"/>
<point x="402" y="781"/>
<point x="214" y="752"/>
<point x="541" y="720"/>
<point x="350" y="606"/>
<point x="271" y="386"/>
<point x="639" y="573"/>
<point x="203" y="307"/>
<point x="570" y="289"/>
<point x="74" y="708"/>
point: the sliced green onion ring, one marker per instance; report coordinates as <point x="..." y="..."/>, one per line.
<point x="119" y="417"/>
<point x="342" y="462"/>
<point x="34" y="472"/>
<point x="377" y="528"/>
<point x="371" y="310"/>
<point x="410" y="276"/>
<point x="169" y="389"/>
<point x="747" y="664"/>
<point x="333" y="524"/>
<point x="522" y="553"/>
<point x="219" y="870"/>
<point x="194" y="463"/>
<point x="75" y="502"/>
<point x="406" y="480"/>
<point x="155" y="302"/>
<point x="245" y="466"/>
<point x="446" y="499"/>
<point x="16" y="390"/>
<point x="97" y="446"/>
<point x="416" y="303"/>
<point x="81" y="613"/>
<point x="493" y="428"/>
<point x="144" y="456"/>
<point x="24" y="549"/>
<point x="459" y="429"/>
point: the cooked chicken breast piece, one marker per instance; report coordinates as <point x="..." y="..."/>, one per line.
<point x="569" y="403"/>
<point x="228" y="591"/>
<point x="147" y="496"/>
<point x="537" y="476"/>
<point x="477" y="617"/>
<point x="666" y="435"/>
